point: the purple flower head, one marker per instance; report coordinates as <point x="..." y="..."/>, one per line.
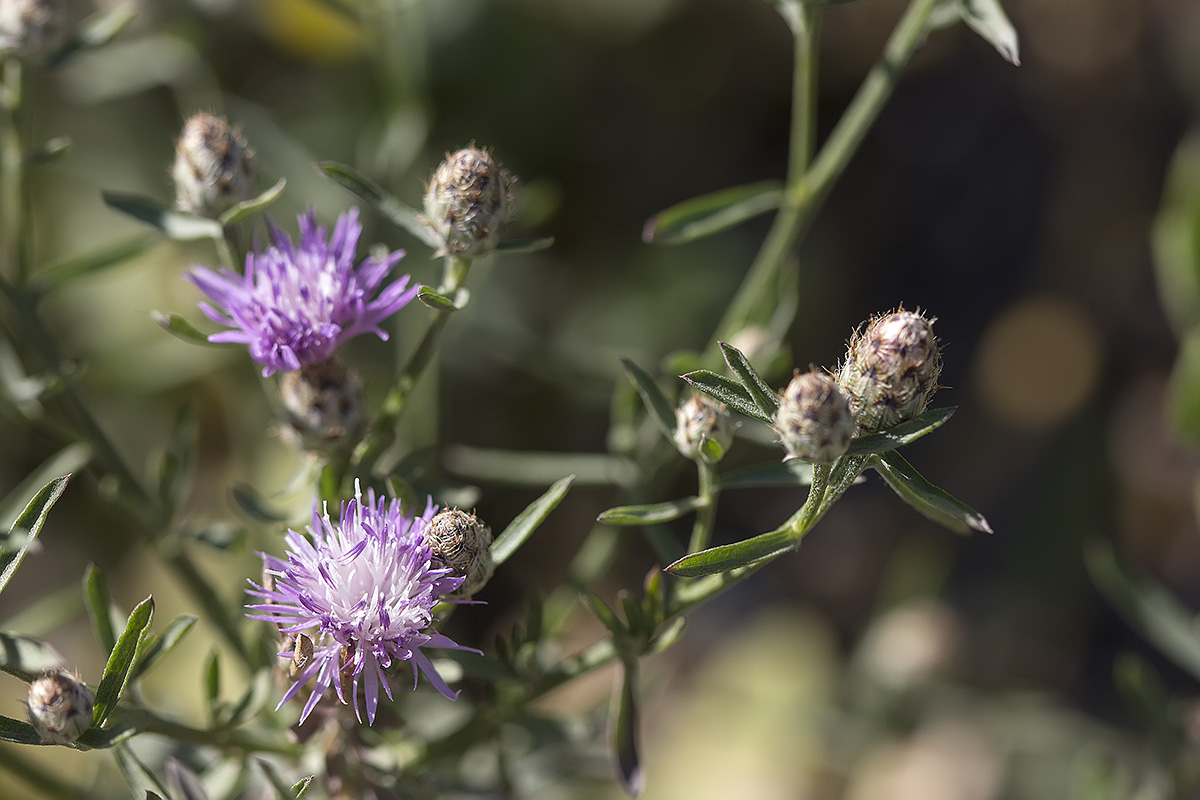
<point x="297" y="304"/>
<point x="363" y="591"/>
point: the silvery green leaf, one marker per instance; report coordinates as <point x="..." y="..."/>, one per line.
<point x="934" y="503"/>
<point x="121" y="660"/>
<point x="635" y="620"/>
<point x="60" y="273"/>
<point x="30" y="524"/>
<point x="525" y="523"/>
<point x="18" y="731"/>
<point x="662" y="411"/>
<point x="186" y="783"/>
<point x="440" y="302"/>
<point x="70" y="459"/>
<point x="368" y="191"/>
<point x="525" y="245"/>
<point x="712" y="213"/>
<point x="99" y="607"/>
<point x="900" y="435"/>
<point x="669" y="635"/>
<point x="178" y="225"/>
<point x="728" y="391"/>
<point x="121" y="727"/>
<point x="732" y="556"/>
<point x="25" y="657"/>
<point x="248" y="208"/>
<point x="986" y="18"/>
<point x="650" y="514"/>
<point x="623" y="731"/>
<point x="763" y="395"/>
<point x="775" y="473"/>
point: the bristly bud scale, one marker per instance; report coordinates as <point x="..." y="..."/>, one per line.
<point x="700" y="417"/>
<point x="467" y="202"/>
<point x="30" y="29"/>
<point x="814" y="421"/>
<point x="323" y="404"/>
<point x="462" y="543"/>
<point x="60" y="707"/>
<point x="213" y="167"/>
<point x="891" y="369"/>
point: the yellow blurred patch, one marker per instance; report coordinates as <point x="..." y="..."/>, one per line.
<point x="310" y="29"/>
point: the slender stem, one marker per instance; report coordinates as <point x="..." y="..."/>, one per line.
<point x="809" y="186"/>
<point x="233" y="739"/>
<point x="12" y="171"/>
<point x="706" y="514"/>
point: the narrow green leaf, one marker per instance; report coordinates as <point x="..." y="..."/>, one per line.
<point x="185" y="782"/>
<point x="1146" y="606"/>
<point x="121" y="660"/>
<point x="25" y="657"/>
<point x="650" y="514"/>
<point x="763" y="395"/>
<point x="371" y="193"/>
<point x="70" y="459"/>
<point x="301" y="787"/>
<point x="18" y="732"/>
<point x="138" y="775"/>
<point x="440" y="302"/>
<point x="248" y="208"/>
<point x="60" y="273"/>
<point x="662" y="410"/>
<point x="635" y="619"/>
<point x="99" y="605"/>
<point x="922" y="495"/>
<point x="164" y="644"/>
<point x="178" y="225"/>
<point x="282" y="790"/>
<point x="728" y="391"/>
<point x="669" y="635"/>
<point x="246" y="498"/>
<point x="986" y="18"/>
<point x="623" y="732"/>
<point x="608" y="618"/>
<point x="124" y="726"/>
<point x="212" y="680"/>
<point x="174" y="464"/>
<point x="712" y="213"/>
<point x="180" y="328"/>
<point x="733" y="556"/>
<point x="97" y="30"/>
<point x="525" y="245"/>
<point x="775" y="473"/>
<point x="30" y="522"/>
<point x="528" y="521"/>
<point x="900" y="435"/>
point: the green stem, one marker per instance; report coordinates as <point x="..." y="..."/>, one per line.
<point x="809" y="184"/>
<point x="12" y="172"/>
<point x="232" y="740"/>
<point x="706" y="514"/>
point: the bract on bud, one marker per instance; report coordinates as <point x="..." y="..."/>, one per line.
<point x="461" y="542"/>
<point x="30" y="29"/>
<point x="213" y="167"/>
<point x="467" y="202"/>
<point x="814" y="421"/>
<point x="60" y="707"/>
<point x="891" y="369"/>
<point x="700" y="417"/>
<point x="322" y="404"/>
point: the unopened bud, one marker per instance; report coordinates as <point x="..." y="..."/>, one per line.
<point x="213" y="169"/>
<point x="813" y="420"/>
<point x="699" y="418"/>
<point x="322" y="404"/>
<point x="30" y="29"/>
<point x="461" y="542"/>
<point x="60" y="707"/>
<point x="891" y="370"/>
<point x="467" y="202"/>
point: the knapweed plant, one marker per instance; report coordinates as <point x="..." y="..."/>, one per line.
<point x="333" y="677"/>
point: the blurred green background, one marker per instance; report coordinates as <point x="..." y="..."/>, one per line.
<point x="886" y="658"/>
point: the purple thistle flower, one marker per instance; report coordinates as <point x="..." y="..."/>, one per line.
<point x="363" y="590"/>
<point x="296" y="305"/>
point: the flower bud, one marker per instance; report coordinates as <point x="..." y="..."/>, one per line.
<point x="213" y="169"/>
<point x="60" y="707"/>
<point x="463" y="543"/>
<point x="467" y="202"/>
<point x="322" y="404"/>
<point x="30" y="29"/>
<point x="891" y="370"/>
<point x="813" y="420"/>
<point x="699" y="418"/>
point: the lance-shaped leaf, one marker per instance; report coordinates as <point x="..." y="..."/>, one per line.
<point x="934" y="503"/>
<point x="525" y="245"/>
<point x="373" y="194"/>
<point x="178" y="225"/>
<point x="440" y="302"/>
<point x="29" y="524"/>
<point x="900" y="435"/>
<point x="25" y="657"/>
<point x="528" y="521"/>
<point x="986" y="18"/>
<point x="712" y="213"/>
<point x="728" y="391"/>
<point x="174" y="465"/>
<point x="732" y="556"/>
<point x="623" y="731"/>
<point x="775" y="473"/>
<point x="63" y="272"/>
<point x="662" y="411"/>
<point x="608" y="618"/>
<point x="18" y="732"/>
<point x="1149" y="608"/>
<point x="650" y="514"/>
<point x="138" y="775"/>
<point x="760" y="393"/>
<point x="246" y="498"/>
<point x="180" y="328"/>
<point x="165" y="643"/>
<point x="123" y="726"/>
<point x="99" y="607"/>
<point x="70" y="459"/>
<point x="120" y="662"/>
<point x="186" y="783"/>
<point x="283" y="791"/>
<point x="248" y="208"/>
